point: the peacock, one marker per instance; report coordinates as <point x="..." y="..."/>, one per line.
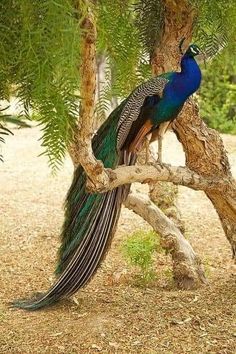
<point x="91" y="219"/>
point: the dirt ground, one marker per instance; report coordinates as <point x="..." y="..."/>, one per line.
<point x="111" y="315"/>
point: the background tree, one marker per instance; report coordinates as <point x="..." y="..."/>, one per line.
<point x="218" y="94"/>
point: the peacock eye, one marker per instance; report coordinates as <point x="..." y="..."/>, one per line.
<point x="194" y="50"/>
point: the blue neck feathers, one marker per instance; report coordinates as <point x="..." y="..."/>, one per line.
<point x="184" y="83"/>
<point x="180" y="86"/>
<point x="189" y="78"/>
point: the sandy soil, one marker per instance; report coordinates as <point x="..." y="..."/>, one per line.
<point x="111" y="315"/>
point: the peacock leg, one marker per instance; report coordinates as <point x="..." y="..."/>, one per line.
<point x="147" y="148"/>
<point x="160" y="134"/>
<point x="157" y="135"/>
<point x="160" y="139"/>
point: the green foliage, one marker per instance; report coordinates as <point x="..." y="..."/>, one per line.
<point x="3" y="129"/>
<point x="149" y="21"/>
<point x="215" y="18"/>
<point x="39" y="56"/>
<point x="210" y="25"/>
<point x="218" y="94"/>
<point x="118" y="40"/>
<point x="19" y="121"/>
<point x="5" y="119"/>
<point x="139" y="249"/>
<point x="214" y="30"/>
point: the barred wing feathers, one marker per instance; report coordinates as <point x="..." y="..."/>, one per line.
<point x="134" y="103"/>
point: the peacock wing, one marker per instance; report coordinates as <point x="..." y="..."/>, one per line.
<point x="134" y="103"/>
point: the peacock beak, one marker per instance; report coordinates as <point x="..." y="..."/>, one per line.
<point x="202" y="57"/>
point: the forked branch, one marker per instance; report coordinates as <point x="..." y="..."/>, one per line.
<point x="187" y="267"/>
<point x="81" y="149"/>
<point x="155" y="172"/>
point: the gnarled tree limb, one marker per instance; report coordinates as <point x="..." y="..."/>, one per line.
<point x="205" y="154"/>
<point x="155" y="172"/>
<point x="187" y="268"/>
<point x="81" y="149"/>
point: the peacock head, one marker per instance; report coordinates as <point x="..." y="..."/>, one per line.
<point x="193" y="50"/>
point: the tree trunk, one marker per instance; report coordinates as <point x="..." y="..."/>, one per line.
<point x="205" y="153"/>
<point x="81" y="150"/>
<point x="166" y="57"/>
<point x="84" y="130"/>
<point x="178" y="24"/>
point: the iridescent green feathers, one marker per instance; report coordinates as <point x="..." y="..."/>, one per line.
<point x="79" y="204"/>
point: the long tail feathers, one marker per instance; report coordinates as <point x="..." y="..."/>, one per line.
<point x="89" y="254"/>
<point x="90" y="223"/>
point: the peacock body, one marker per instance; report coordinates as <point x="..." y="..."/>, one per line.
<point x="91" y="219"/>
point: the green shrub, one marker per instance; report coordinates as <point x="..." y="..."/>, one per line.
<point x="218" y="94"/>
<point x="139" y="250"/>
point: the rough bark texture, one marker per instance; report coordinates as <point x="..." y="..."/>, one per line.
<point x="178" y="24"/>
<point x="81" y="150"/>
<point x="187" y="268"/>
<point x="205" y="154"/>
<point x="165" y="195"/>
<point x="154" y="172"/>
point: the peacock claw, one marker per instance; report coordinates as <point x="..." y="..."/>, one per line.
<point x="156" y="165"/>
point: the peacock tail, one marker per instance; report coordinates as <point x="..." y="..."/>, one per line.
<point x="90" y="222"/>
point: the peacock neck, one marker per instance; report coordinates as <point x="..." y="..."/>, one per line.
<point x="181" y="85"/>
<point x="189" y="66"/>
<point x="185" y="82"/>
<point x="190" y="76"/>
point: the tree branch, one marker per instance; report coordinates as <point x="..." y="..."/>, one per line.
<point x="187" y="266"/>
<point x="155" y="172"/>
<point x="81" y="149"/>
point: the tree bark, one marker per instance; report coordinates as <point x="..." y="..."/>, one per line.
<point x="205" y="154"/>
<point x="178" y="23"/>
<point x="154" y="172"/>
<point x="81" y="150"/>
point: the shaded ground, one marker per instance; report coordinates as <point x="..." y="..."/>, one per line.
<point x="110" y="315"/>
